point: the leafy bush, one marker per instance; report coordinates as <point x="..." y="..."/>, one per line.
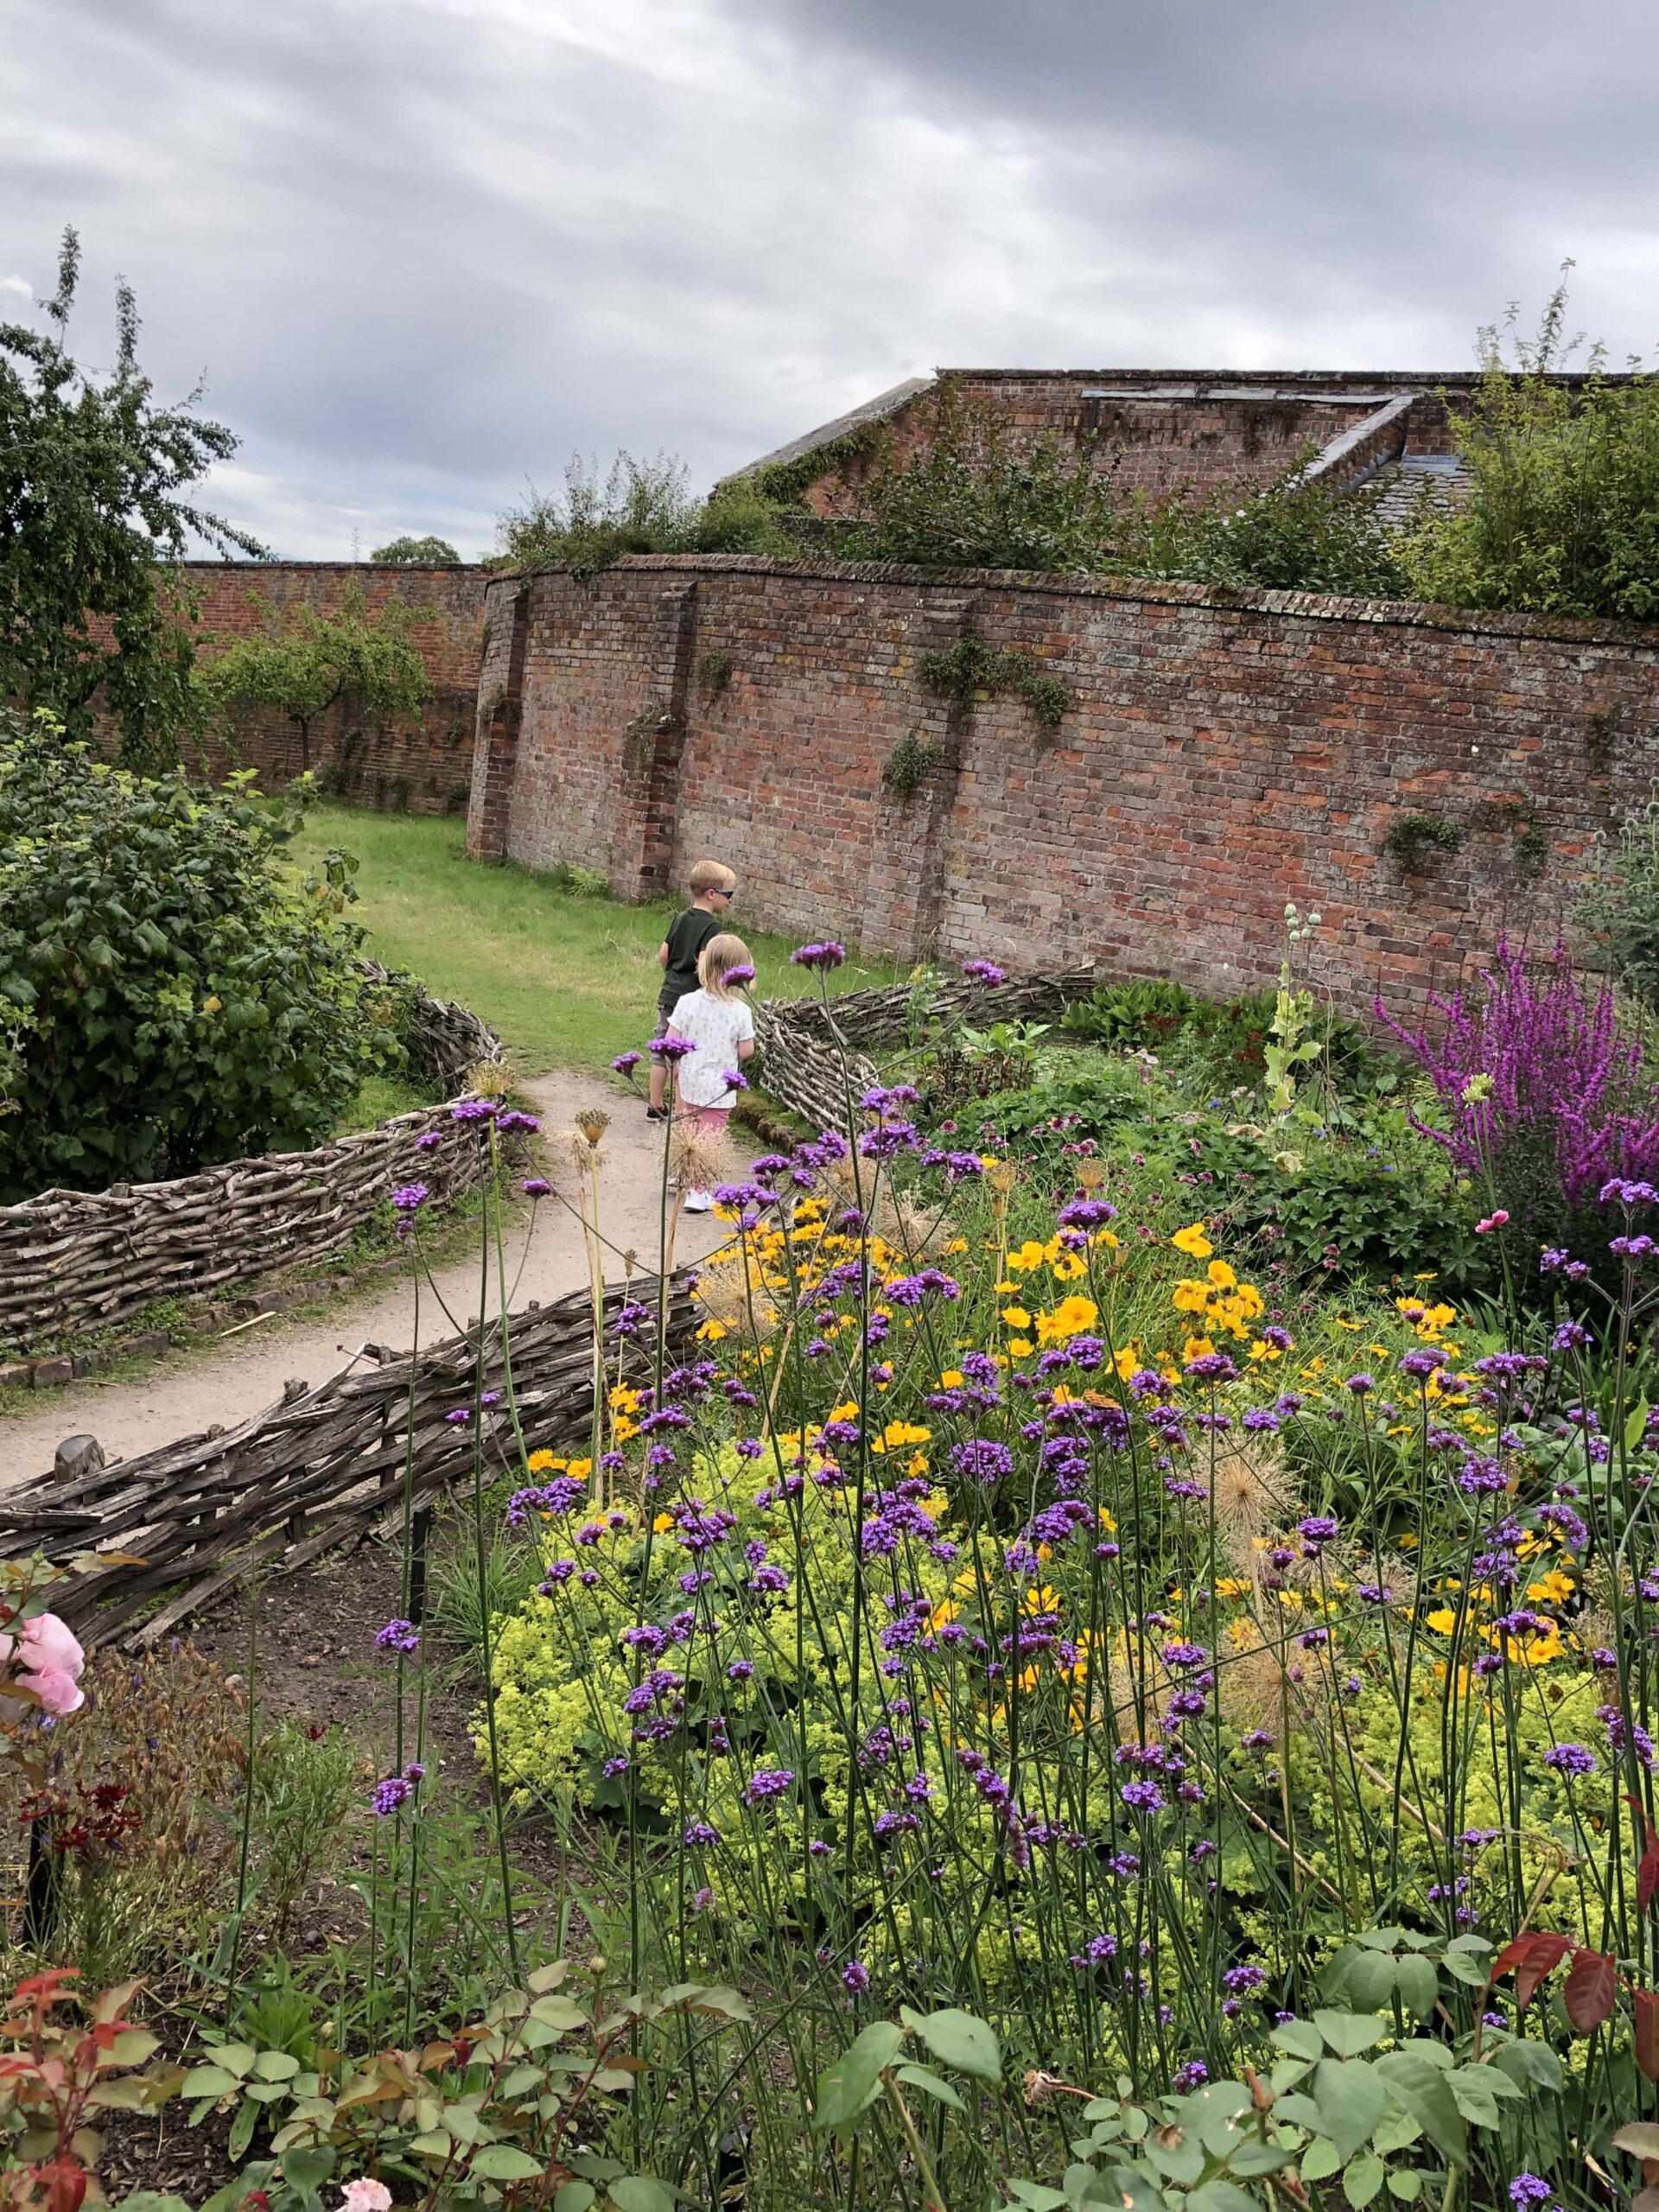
<point x="1227" y="1037"/>
<point x="1140" y="1016"/>
<point x="173" y="996"/>
<point x="640" y="506"/>
<point x="1622" y="906"/>
<point x="1563" y="513"/>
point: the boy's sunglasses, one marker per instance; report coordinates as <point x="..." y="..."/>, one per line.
<point x="727" y="895"/>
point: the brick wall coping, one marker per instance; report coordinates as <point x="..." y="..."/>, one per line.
<point x="1313" y="379"/>
<point x="1303" y="606"/>
<point x="341" y="568"/>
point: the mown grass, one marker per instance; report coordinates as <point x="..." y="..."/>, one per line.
<point x="568" y="981"/>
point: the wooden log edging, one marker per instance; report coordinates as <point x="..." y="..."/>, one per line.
<point x="325" y="1467"/>
<point x="72" y="1261"/>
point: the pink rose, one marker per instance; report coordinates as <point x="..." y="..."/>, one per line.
<point x="48" y="1659"/>
<point x="365" y="2196"/>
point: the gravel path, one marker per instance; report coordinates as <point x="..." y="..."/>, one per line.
<point x="230" y="1379"/>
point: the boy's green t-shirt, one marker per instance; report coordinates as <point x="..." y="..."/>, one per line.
<point x="691" y="932"/>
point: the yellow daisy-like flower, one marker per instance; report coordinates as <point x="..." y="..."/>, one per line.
<point x="543" y="1463"/>
<point x="1016" y="1317"/>
<point x="1192" y="1241"/>
<point x="1442" y="1620"/>
<point x="1019" y="1346"/>
<point x="1071" y="1318"/>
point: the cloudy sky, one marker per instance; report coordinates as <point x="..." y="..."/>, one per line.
<point x="422" y="250"/>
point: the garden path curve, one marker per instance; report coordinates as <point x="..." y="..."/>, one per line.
<point x="228" y="1380"/>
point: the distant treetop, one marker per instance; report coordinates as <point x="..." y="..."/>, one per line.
<point x="417" y="553"/>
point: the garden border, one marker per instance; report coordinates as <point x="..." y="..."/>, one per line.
<point x="325" y="1467"/>
<point x="74" y="1262"/>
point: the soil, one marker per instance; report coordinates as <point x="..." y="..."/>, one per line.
<point x="230" y="1379"/>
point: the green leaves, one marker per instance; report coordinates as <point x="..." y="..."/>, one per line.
<point x="169" y="996"/>
<point x="850" y="2086"/>
<point x="957" y="2039"/>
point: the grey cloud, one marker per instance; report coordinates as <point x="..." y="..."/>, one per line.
<point x="424" y="248"/>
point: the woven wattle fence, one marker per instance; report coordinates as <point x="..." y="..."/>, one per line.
<point x="807" y="1069"/>
<point x="72" y="1261"/>
<point x="324" y="1468"/>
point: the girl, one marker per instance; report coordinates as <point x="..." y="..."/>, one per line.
<point x="716" y="1019"/>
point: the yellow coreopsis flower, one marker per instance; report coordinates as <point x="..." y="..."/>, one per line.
<point x="1071" y="1318"/>
<point x="1192" y="1241"/>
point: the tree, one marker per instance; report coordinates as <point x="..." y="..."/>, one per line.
<point x="320" y="659"/>
<point x="417" y="553"/>
<point x="93" y="475"/>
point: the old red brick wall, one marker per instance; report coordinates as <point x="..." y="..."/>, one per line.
<point x="1216" y="761"/>
<point x="421" y="763"/>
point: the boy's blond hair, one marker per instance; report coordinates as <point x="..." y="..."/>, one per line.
<point x="710" y="875"/>
<point x="720" y="954"/>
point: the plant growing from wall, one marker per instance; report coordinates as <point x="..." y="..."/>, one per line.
<point x="909" y="765"/>
<point x="972" y="669"/>
<point x="714" y="673"/>
<point x="319" y="660"/>
<point x="1415" y="840"/>
<point x="1563" y="512"/>
<point x="94" y="484"/>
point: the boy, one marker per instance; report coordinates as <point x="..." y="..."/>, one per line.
<point x="712" y="889"/>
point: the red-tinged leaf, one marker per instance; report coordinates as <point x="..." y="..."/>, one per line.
<point x="1544" y="1954"/>
<point x="1590" y="1990"/>
<point x="1647" y="2033"/>
<point x="1511" y="1956"/>
<point x="1647" y="1872"/>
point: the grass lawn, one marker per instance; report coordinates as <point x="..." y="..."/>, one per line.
<point x="567" y="981"/>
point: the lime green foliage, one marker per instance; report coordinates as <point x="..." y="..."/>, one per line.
<point x="1563" y="512"/>
<point x="175" y="994"/>
<point x="94" y="485"/>
<point x="316" y="661"/>
<point x="640" y="507"/>
<point x="417" y="553"/>
<point x="380" y="1098"/>
<point x="568" y="981"/>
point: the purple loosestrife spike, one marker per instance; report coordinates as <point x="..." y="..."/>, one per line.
<point x="1529" y="1057"/>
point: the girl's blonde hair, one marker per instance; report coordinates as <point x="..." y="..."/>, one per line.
<point x="720" y="954"/>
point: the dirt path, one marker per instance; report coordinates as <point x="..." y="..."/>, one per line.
<point x="228" y="1382"/>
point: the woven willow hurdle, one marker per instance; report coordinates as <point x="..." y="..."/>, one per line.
<point x="72" y="1262"/>
<point x="808" y="1071"/>
<point x="323" y="1468"/>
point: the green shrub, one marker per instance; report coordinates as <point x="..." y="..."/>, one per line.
<point x="1621" y="905"/>
<point x="170" y="994"/>
<point x="640" y="507"/>
<point x="1563" y="512"/>
<point x="1139" y="1016"/>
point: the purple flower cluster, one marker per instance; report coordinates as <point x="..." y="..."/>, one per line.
<point x="396" y="1791"/>
<point x="398" y="1635"/>
<point x="823" y="957"/>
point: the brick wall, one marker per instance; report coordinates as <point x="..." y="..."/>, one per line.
<point x="421" y="763"/>
<point x="1217" y="760"/>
